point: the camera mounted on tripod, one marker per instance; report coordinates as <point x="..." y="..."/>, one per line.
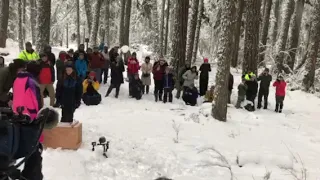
<point x="102" y="142"/>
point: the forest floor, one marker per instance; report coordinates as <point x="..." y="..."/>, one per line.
<point x="144" y="143"/>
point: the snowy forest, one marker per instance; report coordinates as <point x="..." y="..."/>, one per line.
<point x="236" y="36"/>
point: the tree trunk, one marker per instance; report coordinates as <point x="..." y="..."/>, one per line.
<point x="163" y="5"/>
<point x="33" y="20"/>
<point x="4" y="19"/>
<point x="95" y="25"/>
<point x="43" y="24"/>
<point x="219" y="106"/>
<point x="192" y="30"/>
<point x="67" y="35"/>
<point x="121" y="26"/>
<point x="179" y="42"/>
<point x="155" y="25"/>
<point x="167" y="27"/>
<point x="265" y="28"/>
<point x="107" y="22"/>
<point x="24" y="20"/>
<point x="78" y="22"/>
<point x="294" y="33"/>
<point x="20" y="27"/>
<point x="283" y="36"/>
<point x="251" y="42"/>
<point x="237" y="33"/>
<point x="308" y="79"/>
<point x="127" y="23"/>
<point x="276" y="12"/>
<point x="198" y="28"/>
<point x="88" y="9"/>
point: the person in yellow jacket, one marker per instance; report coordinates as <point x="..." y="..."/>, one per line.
<point x="91" y="86"/>
<point x="248" y="76"/>
<point x="28" y="54"/>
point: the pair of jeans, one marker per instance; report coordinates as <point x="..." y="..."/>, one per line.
<point x="98" y="74"/>
<point x="167" y="94"/>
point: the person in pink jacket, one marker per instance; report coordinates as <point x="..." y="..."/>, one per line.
<point x="280" y="86"/>
<point x="26" y="93"/>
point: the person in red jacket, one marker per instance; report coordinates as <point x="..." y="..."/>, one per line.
<point x="96" y="63"/>
<point x="46" y="78"/>
<point x="280" y="85"/>
<point x="158" y="72"/>
<point x="133" y="68"/>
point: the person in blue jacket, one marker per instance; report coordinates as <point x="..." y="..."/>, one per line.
<point x="168" y="85"/>
<point x="81" y="66"/>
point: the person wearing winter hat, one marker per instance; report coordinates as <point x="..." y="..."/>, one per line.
<point x="28" y="54"/>
<point x="265" y="79"/>
<point x="70" y="93"/>
<point x="280" y="86"/>
<point x="47" y="78"/>
<point x="205" y="68"/>
<point x="91" y="86"/>
<point x="7" y="76"/>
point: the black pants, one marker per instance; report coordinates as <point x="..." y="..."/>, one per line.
<point x="167" y="93"/>
<point x="158" y="89"/>
<point x="279" y="102"/>
<point x="33" y="166"/>
<point x="117" y="86"/>
<point x="67" y="114"/>
<point x="104" y="71"/>
<point x="203" y="85"/>
<point x="146" y="89"/>
<point x="263" y="94"/>
<point x="130" y="77"/>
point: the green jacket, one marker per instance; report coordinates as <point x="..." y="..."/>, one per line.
<point x="6" y="83"/>
<point x="24" y="55"/>
<point x="242" y="89"/>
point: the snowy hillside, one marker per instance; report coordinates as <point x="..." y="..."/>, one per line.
<point x="144" y="143"/>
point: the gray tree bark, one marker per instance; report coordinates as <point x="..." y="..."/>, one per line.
<point x="4" y="19"/>
<point x="198" y="29"/>
<point x="88" y="9"/>
<point x="121" y="26"/>
<point x="127" y="23"/>
<point x="251" y="42"/>
<point x="265" y="28"/>
<point x="237" y="33"/>
<point x="276" y="12"/>
<point x="219" y="106"/>
<point x="163" y="5"/>
<point x="192" y="30"/>
<point x="78" y="22"/>
<point x="20" y="25"/>
<point x="95" y="24"/>
<point x="33" y="19"/>
<point x="43" y="24"/>
<point x="167" y="27"/>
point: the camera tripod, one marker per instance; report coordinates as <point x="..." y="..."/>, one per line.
<point x="102" y="142"/>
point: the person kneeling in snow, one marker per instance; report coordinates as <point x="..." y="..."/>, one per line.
<point x="280" y="85"/>
<point x="137" y="87"/>
<point x="91" y="86"/>
<point x="190" y="95"/>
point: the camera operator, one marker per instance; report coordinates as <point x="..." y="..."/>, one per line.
<point x="265" y="79"/>
<point x="26" y="93"/>
<point x="7" y="77"/>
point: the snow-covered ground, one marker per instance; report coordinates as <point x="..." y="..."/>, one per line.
<point x="143" y="136"/>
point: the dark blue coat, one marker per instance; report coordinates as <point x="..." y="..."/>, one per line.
<point x="168" y="81"/>
<point x="70" y="92"/>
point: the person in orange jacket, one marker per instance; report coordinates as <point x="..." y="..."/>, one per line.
<point x="91" y="86"/>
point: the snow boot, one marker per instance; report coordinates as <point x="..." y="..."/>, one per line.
<point x="277" y="108"/>
<point x="147" y="89"/>
<point x="156" y="97"/>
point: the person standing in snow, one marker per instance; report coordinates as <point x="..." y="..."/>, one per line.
<point x="146" y="69"/>
<point x="50" y="55"/>
<point x="81" y="66"/>
<point x="77" y="53"/>
<point x="168" y="85"/>
<point x="242" y="89"/>
<point x="28" y="54"/>
<point x="181" y="72"/>
<point x="230" y="87"/>
<point x="205" y="68"/>
<point x="158" y="71"/>
<point x="251" y="93"/>
<point x="60" y="71"/>
<point x="96" y="63"/>
<point x="133" y="68"/>
<point x="47" y="78"/>
<point x="265" y="79"/>
<point x="70" y="93"/>
<point x="280" y="86"/>
<point x="117" y="69"/>
<point x="106" y="66"/>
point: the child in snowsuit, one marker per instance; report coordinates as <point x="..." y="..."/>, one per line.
<point x="168" y="85"/>
<point x="280" y="85"/>
<point x="81" y="66"/>
<point x="242" y="89"/>
<point x="208" y="98"/>
<point x="204" y="69"/>
<point x="137" y="87"/>
<point x="70" y="94"/>
<point x="190" y="95"/>
<point x="91" y="86"/>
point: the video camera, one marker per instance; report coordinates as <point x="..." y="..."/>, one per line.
<point x="19" y="138"/>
